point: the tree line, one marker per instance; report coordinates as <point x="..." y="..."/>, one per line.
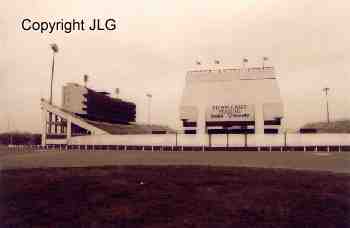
<point x="20" y="138"/>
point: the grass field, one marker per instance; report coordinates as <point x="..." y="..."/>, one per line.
<point x="174" y="189"/>
<point x="175" y="196"/>
<point x="335" y="161"/>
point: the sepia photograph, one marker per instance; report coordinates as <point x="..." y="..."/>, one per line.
<point x="132" y="114"/>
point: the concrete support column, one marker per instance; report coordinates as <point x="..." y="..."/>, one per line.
<point x="69" y="130"/>
<point x="61" y="125"/>
<point x="50" y="123"/>
<point x="201" y="122"/>
<point x="283" y="127"/>
<point x="43" y="126"/>
<point x="259" y="119"/>
<point x="56" y="124"/>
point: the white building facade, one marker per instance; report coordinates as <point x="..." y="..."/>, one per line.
<point x="234" y="101"/>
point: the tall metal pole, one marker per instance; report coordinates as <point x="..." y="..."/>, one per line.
<point x="117" y="91"/>
<point x="86" y="79"/>
<point x="51" y="82"/>
<point x="149" y="108"/>
<point x="326" y="89"/>
<point x="327" y="111"/>
<point x="54" y="49"/>
<point x="52" y="71"/>
<point x="9" y="131"/>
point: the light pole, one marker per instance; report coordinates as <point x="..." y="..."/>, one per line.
<point x="117" y="91"/>
<point x="9" y="131"/>
<point x="149" y="96"/>
<point x="86" y="79"/>
<point x="326" y="89"/>
<point x="54" y="49"/>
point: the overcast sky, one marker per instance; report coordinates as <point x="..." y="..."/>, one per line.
<point x="158" y="41"/>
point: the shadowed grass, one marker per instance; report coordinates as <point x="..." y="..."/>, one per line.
<point x="173" y="196"/>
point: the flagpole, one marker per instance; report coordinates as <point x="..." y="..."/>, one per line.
<point x="263" y="61"/>
<point x="245" y="60"/>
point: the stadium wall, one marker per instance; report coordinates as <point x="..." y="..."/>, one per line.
<point x="215" y="140"/>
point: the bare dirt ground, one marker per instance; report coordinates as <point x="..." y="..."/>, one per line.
<point x="173" y="196"/>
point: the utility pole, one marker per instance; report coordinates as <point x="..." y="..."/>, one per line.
<point x="86" y="79"/>
<point x="117" y="91"/>
<point x="149" y="96"/>
<point x="326" y="89"/>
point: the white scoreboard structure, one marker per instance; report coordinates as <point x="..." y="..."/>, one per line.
<point x="231" y="101"/>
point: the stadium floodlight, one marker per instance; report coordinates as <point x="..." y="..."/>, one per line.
<point x="149" y="96"/>
<point x="86" y="79"/>
<point x="54" y="49"/>
<point x="326" y="89"/>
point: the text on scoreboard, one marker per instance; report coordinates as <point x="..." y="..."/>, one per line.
<point x="231" y="112"/>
